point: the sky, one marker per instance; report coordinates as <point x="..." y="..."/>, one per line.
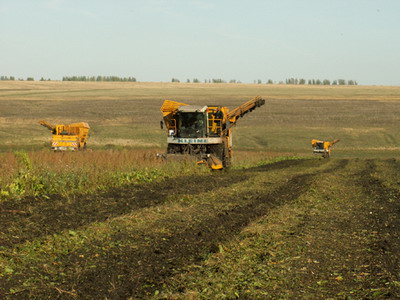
<point x="246" y="40"/>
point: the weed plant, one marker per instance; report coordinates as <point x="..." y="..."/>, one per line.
<point x="44" y="173"/>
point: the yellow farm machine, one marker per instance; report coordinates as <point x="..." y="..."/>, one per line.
<point x="204" y="132"/>
<point x="322" y="147"/>
<point x="71" y="137"/>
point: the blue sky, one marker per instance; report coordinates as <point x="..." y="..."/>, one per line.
<point x="157" y="40"/>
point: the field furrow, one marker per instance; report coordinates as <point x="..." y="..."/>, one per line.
<point x="45" y="217"/>
<point x="135" y="255"/>
<point x="338" y="240"/>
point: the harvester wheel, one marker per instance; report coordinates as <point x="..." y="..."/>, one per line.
<point x="220" y="152"/>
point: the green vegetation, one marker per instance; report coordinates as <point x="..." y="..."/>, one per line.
<point x="42" y="174"/>
<point x="289" y="229"/>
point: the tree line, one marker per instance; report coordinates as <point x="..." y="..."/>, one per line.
<point x="99" y="78"/>
<point x="214" y="80"/>
<point x="318" y="81"/>
<point x="75" y="78"/>
<point x="7" y="78"/>
<point x="300" y="81"/>
<point x="296" y="81"/>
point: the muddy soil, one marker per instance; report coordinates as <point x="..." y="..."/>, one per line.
<point x="31" y="218"/>
<point x="146" y="269"/>
<point x="138" y="272"/>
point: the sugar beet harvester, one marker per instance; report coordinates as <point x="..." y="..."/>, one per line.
<point x="204" y="132"/>
<point x="323" y="147"/>
<point x="68" y="137"/>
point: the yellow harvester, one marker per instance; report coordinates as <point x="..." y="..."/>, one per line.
<point x="322" y="147"/>
<point x="204" y="132"/>
<point x="71" y="137"/>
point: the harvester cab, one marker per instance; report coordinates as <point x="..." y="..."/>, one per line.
<point x="323" y="147"/>
<point x="203" y="132"/>
<point x="71" y="137"/>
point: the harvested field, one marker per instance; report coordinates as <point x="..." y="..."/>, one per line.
<point x="293" y="229"/>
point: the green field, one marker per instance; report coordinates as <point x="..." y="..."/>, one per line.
<point x="117" y="223"/>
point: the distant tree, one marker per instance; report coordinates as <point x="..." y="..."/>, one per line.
<point x="7" y="78"/>
<point x="318" y="82"/>
<point x="175" y="80"/>
<point x="290" y="81"/>
<point x="195" y="80"/>
<point x="188" y="80"/>
<point x="334" y="82"/>
<point x="341" y="82"/>
<point x="269" y="81"/>
<point x="98" y="78"/>
<point x="326" y="82"/>
<point x="302" y="81"/>
<point x="309" y="81"/>
<point x="30" y="79"/>
<point x="259" y="81"/>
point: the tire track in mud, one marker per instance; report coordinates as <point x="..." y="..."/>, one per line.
<point x="278" y="165"/>
<point x="384" y="205"/>
<point x="45" y="217"/>
<point x="352" y="233"/>
<point x="59" y="213"/>
<point x="144" y="270"/>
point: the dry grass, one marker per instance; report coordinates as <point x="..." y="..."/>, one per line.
<point x="126" y="115"/>
<point x="58" y="90"/>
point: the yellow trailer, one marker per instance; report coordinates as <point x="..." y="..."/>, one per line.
<point x="70" y="137"/>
